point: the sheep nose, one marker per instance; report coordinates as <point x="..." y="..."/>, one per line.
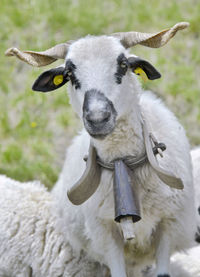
<point x="97" y="108"/>
<point x="99" y="114"/>
<point x="96" y="117"/>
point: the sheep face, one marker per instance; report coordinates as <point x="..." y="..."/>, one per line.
<point x="101" y="73"/>
<point x="102" y="84"/>
<point x="99" y="69"/>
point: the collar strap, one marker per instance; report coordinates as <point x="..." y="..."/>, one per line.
<point x="131" y="161"/>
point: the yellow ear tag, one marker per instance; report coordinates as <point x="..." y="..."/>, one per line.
<point x="141" y="72"/>
<point x="57" y="80"/>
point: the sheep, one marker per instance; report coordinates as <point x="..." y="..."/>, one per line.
<point x="121" y="122"/>
<point x="30" y="242"/>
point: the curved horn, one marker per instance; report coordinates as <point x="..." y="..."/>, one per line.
<point x="41" y="58"/>
<point x="89" y="181"/>
<point x="129" y="39"/>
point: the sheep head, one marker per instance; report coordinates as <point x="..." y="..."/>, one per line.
<point x="97" y="68"/>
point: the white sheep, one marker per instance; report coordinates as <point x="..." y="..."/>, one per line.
<point x="30" y="242"/>
<point x="118" y="118"/>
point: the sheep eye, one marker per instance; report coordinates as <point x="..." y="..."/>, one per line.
<point x="69" y="73"/>
<point x="123" y="64"/>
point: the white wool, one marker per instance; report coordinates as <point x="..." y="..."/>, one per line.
<point x="30" y="243"/>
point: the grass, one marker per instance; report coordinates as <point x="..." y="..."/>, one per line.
<point x="35" y="127"/>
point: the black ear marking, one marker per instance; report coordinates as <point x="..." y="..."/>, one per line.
<point x="151" y="72"/>
<point x="51" y="80"/>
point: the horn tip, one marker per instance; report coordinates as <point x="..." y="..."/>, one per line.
<point x="181" y="25"/>
<point x="10" y="51"/>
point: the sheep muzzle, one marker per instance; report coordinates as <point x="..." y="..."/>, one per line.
<point x="99" y="114"/>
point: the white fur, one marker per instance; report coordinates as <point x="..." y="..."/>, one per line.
<point x="30" y="243"/>
<point x="168" y="214"/>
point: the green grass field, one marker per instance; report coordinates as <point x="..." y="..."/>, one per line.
<point x="34" y="127"/>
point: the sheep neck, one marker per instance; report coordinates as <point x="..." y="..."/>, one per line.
<point x="126" y="139"/>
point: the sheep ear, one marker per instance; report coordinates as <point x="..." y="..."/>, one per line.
<point x="51" y="80"/>
<point x="143" y="68"/>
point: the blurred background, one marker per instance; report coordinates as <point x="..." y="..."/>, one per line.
<point x="36" y="128"/>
